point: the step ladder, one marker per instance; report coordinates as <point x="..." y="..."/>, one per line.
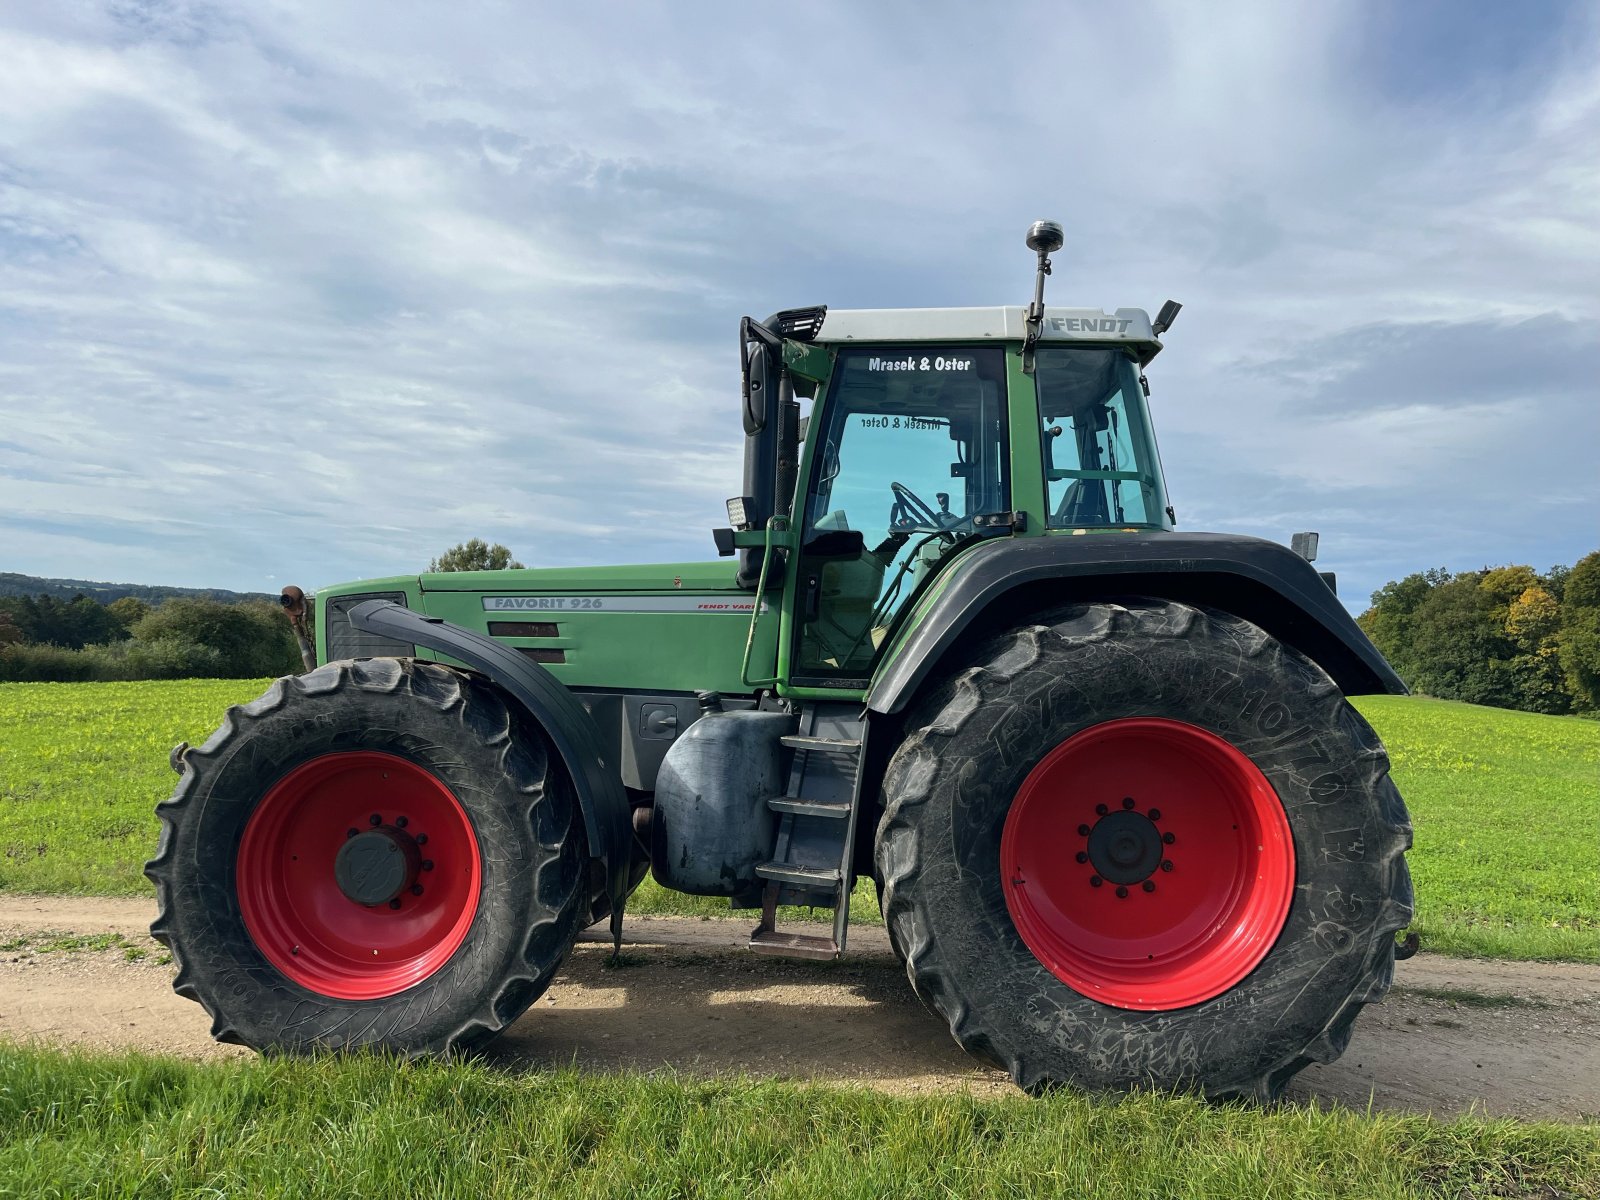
<point x="815" y="847"/>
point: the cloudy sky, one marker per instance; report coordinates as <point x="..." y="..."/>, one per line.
<point x="308" y="292"/>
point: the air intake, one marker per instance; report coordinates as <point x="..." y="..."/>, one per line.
<point x="344" y="640"/>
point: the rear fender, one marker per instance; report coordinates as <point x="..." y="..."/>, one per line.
<point x="1261" y="581"/>
<point x="572" y="732"/>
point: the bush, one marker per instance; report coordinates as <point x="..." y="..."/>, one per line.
<point x="165" y="658"/>
<point x="249" y="640"/>
<point x="182" y="639"/>
<point x="24" y="662"/>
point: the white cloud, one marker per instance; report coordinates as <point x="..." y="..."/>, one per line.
<point x="320" y="289"/>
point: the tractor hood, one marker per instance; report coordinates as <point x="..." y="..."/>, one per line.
<point x="655" y="577"/>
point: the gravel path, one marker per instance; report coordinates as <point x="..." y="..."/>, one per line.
<point x="1512" y="1039"/>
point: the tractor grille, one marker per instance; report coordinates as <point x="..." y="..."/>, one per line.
<point x="346" y="641"/>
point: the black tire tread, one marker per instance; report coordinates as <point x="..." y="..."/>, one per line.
<point x="943" y="710"/>
<point x="483" y="717"/>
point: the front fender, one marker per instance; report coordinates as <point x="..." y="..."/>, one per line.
<point x="568" y="725"/>
<point x="1261" y="581"/>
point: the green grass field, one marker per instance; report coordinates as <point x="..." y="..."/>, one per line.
<point x="1506" y="807"/>
<point x="85" y="1125"/>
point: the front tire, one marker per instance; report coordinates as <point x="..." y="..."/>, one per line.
<point x="380" y="853"/>
<point x="1144" y="844"/>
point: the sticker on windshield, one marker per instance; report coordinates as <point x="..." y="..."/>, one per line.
<point x="869" y="422"/>
<point x="923" y="362"/>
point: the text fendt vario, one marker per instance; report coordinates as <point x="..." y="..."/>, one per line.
<point x="1125" y="827"/>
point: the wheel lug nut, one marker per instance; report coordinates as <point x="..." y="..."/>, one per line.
<point x="1166" y="864"/>
<point x="1122" y="893"/>
<point x="1083" y="831"/>
<point x="1155" y="814"/>
<point x="394" y="904"/>
<point x="1149" y="885"/>
<point x="375" y="819"/>
<point x="422" y="839"/>
<point x="427" y="864"/>
<point x="1168" y="838"/>
<point x="416" y="889"/>
<point x="1082" y="857"/>
<point x="1095" y="881"/>
<point x="401" y="822"/>
<point x="350" y="833"/>
<point x="1101" y="809"/>
<point x="1127" y="802"/>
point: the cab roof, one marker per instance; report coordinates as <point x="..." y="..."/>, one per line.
<point x="1130" y="326"/>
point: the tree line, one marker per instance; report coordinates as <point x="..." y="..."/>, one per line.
<point x="1506" y="636"/>
<point x="45" y="638"/>
<point x="13" y="583"/>
<point x="52" y="637"/>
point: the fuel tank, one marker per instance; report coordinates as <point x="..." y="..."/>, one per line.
<point x="712" y="826"/>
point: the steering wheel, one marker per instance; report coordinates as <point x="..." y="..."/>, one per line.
<point x="911" y="511"/>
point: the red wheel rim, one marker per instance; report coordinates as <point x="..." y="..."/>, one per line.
<point x="1191" y="849"/>
<point x="289" y="878"/>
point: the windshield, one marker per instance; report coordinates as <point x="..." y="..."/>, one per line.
<point x="913" y="446"/>
<point x="1099" y="457"/>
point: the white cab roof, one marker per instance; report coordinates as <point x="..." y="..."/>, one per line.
<point x="983" y="324"/>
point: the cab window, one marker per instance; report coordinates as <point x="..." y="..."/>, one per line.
<point x="912" y="447"/>
<point x="1099" y="458"/>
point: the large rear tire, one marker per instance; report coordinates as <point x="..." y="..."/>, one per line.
<point x="380" y="853"/>
<point x="1144" y="844"/>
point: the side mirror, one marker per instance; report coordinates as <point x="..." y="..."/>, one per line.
<point x="754" y="389"/>
<point x="755" y="341"/>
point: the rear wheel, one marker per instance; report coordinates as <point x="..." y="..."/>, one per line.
<point x="1144" y="844"/>
<point x="378" y="853"/>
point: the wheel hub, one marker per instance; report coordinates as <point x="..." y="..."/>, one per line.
<point x="1125" y="847"/>
<point x="1147" y="863"/>
<point x="376" y="866"/>
<point x="358" y="874"/>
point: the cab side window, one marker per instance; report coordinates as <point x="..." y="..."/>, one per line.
<point x="1100" y="464"/>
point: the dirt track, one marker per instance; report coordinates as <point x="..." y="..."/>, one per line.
<point x="688" y="998"/>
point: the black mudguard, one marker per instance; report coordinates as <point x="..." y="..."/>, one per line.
<point x="1258" y="580"/>
<point x="606" y="818"/>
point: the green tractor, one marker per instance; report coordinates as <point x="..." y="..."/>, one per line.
<point x="1126" y="829"/>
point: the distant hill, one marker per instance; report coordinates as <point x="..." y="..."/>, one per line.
<point x="12" y="584"/>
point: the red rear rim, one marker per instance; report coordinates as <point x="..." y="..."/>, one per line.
<point x="1147" y="864"/>
<point x="358" y="875"/>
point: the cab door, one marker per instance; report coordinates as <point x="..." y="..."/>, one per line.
<point x="910" y="447"/>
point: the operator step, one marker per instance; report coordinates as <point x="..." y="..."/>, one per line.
<point x="808" y="877"/>
<point x="804" y="741"/>
<point x="793" y="945"/>
<point x="835" y="809"/>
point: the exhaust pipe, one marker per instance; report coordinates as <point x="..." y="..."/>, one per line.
<point x="294" y="607"/>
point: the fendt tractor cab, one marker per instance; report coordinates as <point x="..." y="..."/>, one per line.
<point x="1124" y="827"/>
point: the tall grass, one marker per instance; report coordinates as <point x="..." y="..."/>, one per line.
<point x="1506" y="811"/>
<point x="96" y="1125"/>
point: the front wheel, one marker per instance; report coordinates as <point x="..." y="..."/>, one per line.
<point x="380" y="853"/>
<point x="1144" y="844"/>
